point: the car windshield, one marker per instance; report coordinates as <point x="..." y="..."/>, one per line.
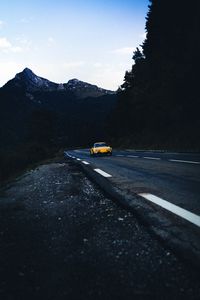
<point x="100" y="145"/>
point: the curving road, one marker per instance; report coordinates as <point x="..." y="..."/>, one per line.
<point x="171" y="176"/>
<point x="167" y="185"/>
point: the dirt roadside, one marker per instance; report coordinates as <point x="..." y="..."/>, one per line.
<point x="62" y="238"/>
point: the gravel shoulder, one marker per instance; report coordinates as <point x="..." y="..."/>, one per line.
<point x="62" y="238"/>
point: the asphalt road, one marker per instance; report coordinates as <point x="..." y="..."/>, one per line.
<point x="171" y="176"/>
<point x="61" y="238"/>
<point x="172" y="180"/>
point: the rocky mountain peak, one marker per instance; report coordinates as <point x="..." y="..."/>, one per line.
<point x="74" y="80"/>
<point x="30" y="82"/>
<point x="77" y="83"/>
<point x="83" y="89"/>
<point x="28" y="72"/>
<point x="27" y="75"/>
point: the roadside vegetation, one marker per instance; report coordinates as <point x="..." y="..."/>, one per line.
<point x="13" y="161"/>
<point x="30" y="134"/>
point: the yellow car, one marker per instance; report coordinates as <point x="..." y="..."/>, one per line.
<point x="100" y="148"/>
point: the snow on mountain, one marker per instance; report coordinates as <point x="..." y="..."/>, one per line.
<point x="83" y="89"/>
<point x="31" y="83"/>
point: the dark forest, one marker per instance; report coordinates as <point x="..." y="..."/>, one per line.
<point x="158" y="106"/>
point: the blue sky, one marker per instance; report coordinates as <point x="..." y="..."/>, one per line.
<point x="64" y="39"/>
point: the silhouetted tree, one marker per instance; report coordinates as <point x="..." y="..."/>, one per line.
<point x="158" y="103"/>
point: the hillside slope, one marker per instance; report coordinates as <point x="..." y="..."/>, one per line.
<point x="38" y="116"/>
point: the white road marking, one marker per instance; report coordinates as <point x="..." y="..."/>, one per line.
<point x="102" y="173"/>
<point x="185" y="161"/>
<point x="85" y="162"/>
<point x="119" y="155"/>
<point x="155" y="158"/>
<point x="78" y="159"/>
<point x="185" y="214"/>
<point x="134" y="156"/>
<point x="82" y="151"/>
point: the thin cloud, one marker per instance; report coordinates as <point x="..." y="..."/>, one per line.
<point x="98" y="65"/>
<point x="123" y="51"/>
<point x="6" y="46"/>
<point x="51" y="41"/>
<point x="143" y="35"/>
<point x="16" y="49"/>
<point x="4" y="43"/>
<point x="25" y="20"/>
<point x="10" y="69"/>
<point x="2" y="23"/>
<point x="75" y="64"/>
<point x="26" y="44"/>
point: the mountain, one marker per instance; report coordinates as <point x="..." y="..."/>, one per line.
<point x="83" y="89"/>
<point x="27" y="93"/>
<point x="31" y="83"/>
<point x="38" y="116"/>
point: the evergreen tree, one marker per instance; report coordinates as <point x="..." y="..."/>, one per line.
<point x="158" y="102"/>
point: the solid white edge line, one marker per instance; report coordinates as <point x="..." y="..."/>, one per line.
<point x="185" y="161"/>
<point x="154" y="158"/>
<point x="69" y="155"/>
<point x="185" y="214"/>
<point x="85" y="162"/>
<point x="101" y="172"/>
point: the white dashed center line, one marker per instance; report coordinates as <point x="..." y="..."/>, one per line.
<point x="155" y="158"/>
<point x="78" y="159"/>
<point x="102" y="173"/>
<point x="134" y="156"/>
<point x="119" y="155"/>
<point x="185" y="214"/>
<point x="185" y="161"/>
<point x="85" y="162"/>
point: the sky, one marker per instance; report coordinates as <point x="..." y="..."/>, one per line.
<point x="91" y="40"/>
